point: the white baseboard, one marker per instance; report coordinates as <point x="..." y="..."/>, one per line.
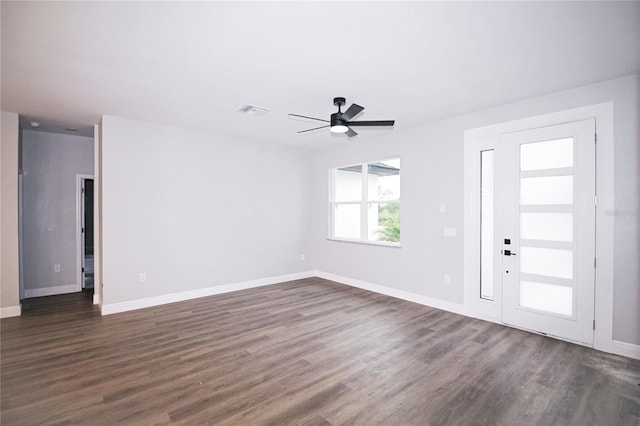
<point x="96" y="298"/>
<point x="113" y="308"/>
<point x="625" y="349"/>
<point x="615" y="347"/>
<point x="50" y="291"/>
<point x="400" y="294"/>
<point x="10" y="311"/>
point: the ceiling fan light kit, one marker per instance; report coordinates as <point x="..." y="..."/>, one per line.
<point x="340" y="122"/>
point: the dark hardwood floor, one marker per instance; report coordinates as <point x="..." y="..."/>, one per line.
<point x="59" y="304"/>
<point x="308" y="352"/>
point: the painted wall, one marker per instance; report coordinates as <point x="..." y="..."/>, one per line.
<point x="432" y="174"/>
<point x="9" y="284"/>
<point x="195" y="210"/>
<point x="50" y="163"/>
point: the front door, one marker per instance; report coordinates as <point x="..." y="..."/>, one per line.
<point x="547" y="246"/>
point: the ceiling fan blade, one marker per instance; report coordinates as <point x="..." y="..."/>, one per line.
<point x="353" y="110"/>
<point x="310" y="118"/>
<point x="315" y="128"/>
<point x="351" y="133"/>
<point x="372" y="123"/>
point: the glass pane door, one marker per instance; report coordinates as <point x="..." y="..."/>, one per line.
<point x="546" y="226"/>
<point x="548" y="221"/>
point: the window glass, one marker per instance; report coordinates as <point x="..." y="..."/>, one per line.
<point x="384" y="222"/>
<point x="556" y="299"/>
<point x="347" y="221"/>
<point x="546" y="190"/>
<point x="348" y="183"/>
<point x="547" y="226"/>
<point x="365" y="202"/>
<point x="486" y="224"/>
<point x="384" y="180"/>
<point x="546" y="261"/>
<point x="546" y="155"/>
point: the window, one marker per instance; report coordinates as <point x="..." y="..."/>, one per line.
<point x="365" y="202"/>
<point x="486" y="223"/>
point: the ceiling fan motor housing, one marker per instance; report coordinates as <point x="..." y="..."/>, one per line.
<point x="336" y="120"/>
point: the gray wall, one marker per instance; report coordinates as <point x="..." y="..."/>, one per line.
<point x="9" y="297"/>
<point x="432" y="173"/>
<point x="195" y="210"/>
<point x="50" y="163"/>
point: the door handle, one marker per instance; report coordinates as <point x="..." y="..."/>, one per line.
<point x="509" y="253"/>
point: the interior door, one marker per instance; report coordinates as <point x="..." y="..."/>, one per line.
<point x="548" y="225"/>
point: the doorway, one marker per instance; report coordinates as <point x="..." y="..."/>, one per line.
<point x="531" y="237"/>
<point x="85" y="232"/>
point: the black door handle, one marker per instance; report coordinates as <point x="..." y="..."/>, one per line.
<point x="509" y="253"/>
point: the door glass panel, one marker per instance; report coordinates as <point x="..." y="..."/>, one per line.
<point x="546" y="226"/>
<point x="546" y="190"/>
<point x="486" y="223"/>
<point x="557" y="299"/>
<point x="545" y="261"/>
<point x="546" y="155"/>
<point x="348" y="183"/>
<point x="346" y="221"/>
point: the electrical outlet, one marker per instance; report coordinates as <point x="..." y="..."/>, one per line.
<point x="142" y="277"/>
<point x="56" y="267"/>
<point x="443" y="208"/>
<point x="302" y="258"/>
<point x="447" y="279"/>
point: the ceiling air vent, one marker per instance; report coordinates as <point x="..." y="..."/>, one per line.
<point x="253" y="110"/>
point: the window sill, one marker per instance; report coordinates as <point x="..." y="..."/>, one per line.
<point x="368" y="243"/>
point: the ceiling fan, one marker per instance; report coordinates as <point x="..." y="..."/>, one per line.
<point x="340" y="122"/>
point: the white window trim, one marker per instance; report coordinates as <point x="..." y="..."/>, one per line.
<point x="364" y="204"/>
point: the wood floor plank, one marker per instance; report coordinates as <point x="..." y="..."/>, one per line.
<point x="307" y="352"/>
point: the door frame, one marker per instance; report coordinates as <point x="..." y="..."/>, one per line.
<point x="79" y="222"/>
<point x="474" y="139"/>
<point x="20" y="236"/>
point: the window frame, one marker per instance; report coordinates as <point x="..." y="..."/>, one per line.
<point x="364" y="204"/>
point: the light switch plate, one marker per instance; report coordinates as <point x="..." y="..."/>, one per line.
<point x="450" y="232"/>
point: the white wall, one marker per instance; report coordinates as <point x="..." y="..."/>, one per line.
<point x="195" y="210"/>
<point x="626" y="215"/>
<point x="97" y="214"/>
<point x="50" y="163"/>
<point x="9" y="297"/>
<point x="432" y="174"/>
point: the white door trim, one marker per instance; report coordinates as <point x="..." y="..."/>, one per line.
<point x="603" y="114"/>
<point x="79" y="217"/>
<point x="20" y="236"/>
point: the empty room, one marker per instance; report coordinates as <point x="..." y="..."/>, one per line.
<point x="320" y="213"/>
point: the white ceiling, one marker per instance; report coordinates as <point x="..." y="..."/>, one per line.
<point x="196" y="64"/>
